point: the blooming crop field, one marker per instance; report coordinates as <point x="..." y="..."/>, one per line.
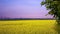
<point x="28" y="27"/>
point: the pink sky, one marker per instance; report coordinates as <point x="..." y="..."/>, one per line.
<point x="23" y="9"/>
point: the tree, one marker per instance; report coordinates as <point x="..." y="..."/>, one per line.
<point x="54" y="7"/>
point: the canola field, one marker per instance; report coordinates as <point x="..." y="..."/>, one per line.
<point x="28" y="27"/>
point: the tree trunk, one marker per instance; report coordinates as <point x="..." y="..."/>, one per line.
<point x="58" y="20"/>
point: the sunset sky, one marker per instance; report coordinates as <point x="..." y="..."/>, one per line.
<point x="22" y="9"/>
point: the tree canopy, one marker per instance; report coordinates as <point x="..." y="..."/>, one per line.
<point x="53" y="6"/>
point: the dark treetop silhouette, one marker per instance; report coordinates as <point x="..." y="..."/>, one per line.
<point x="54" y="7"/>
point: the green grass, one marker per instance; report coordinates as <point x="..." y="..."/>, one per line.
<point x="28" y="27"/>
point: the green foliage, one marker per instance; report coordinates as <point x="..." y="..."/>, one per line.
<point x="53" y="6"/>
